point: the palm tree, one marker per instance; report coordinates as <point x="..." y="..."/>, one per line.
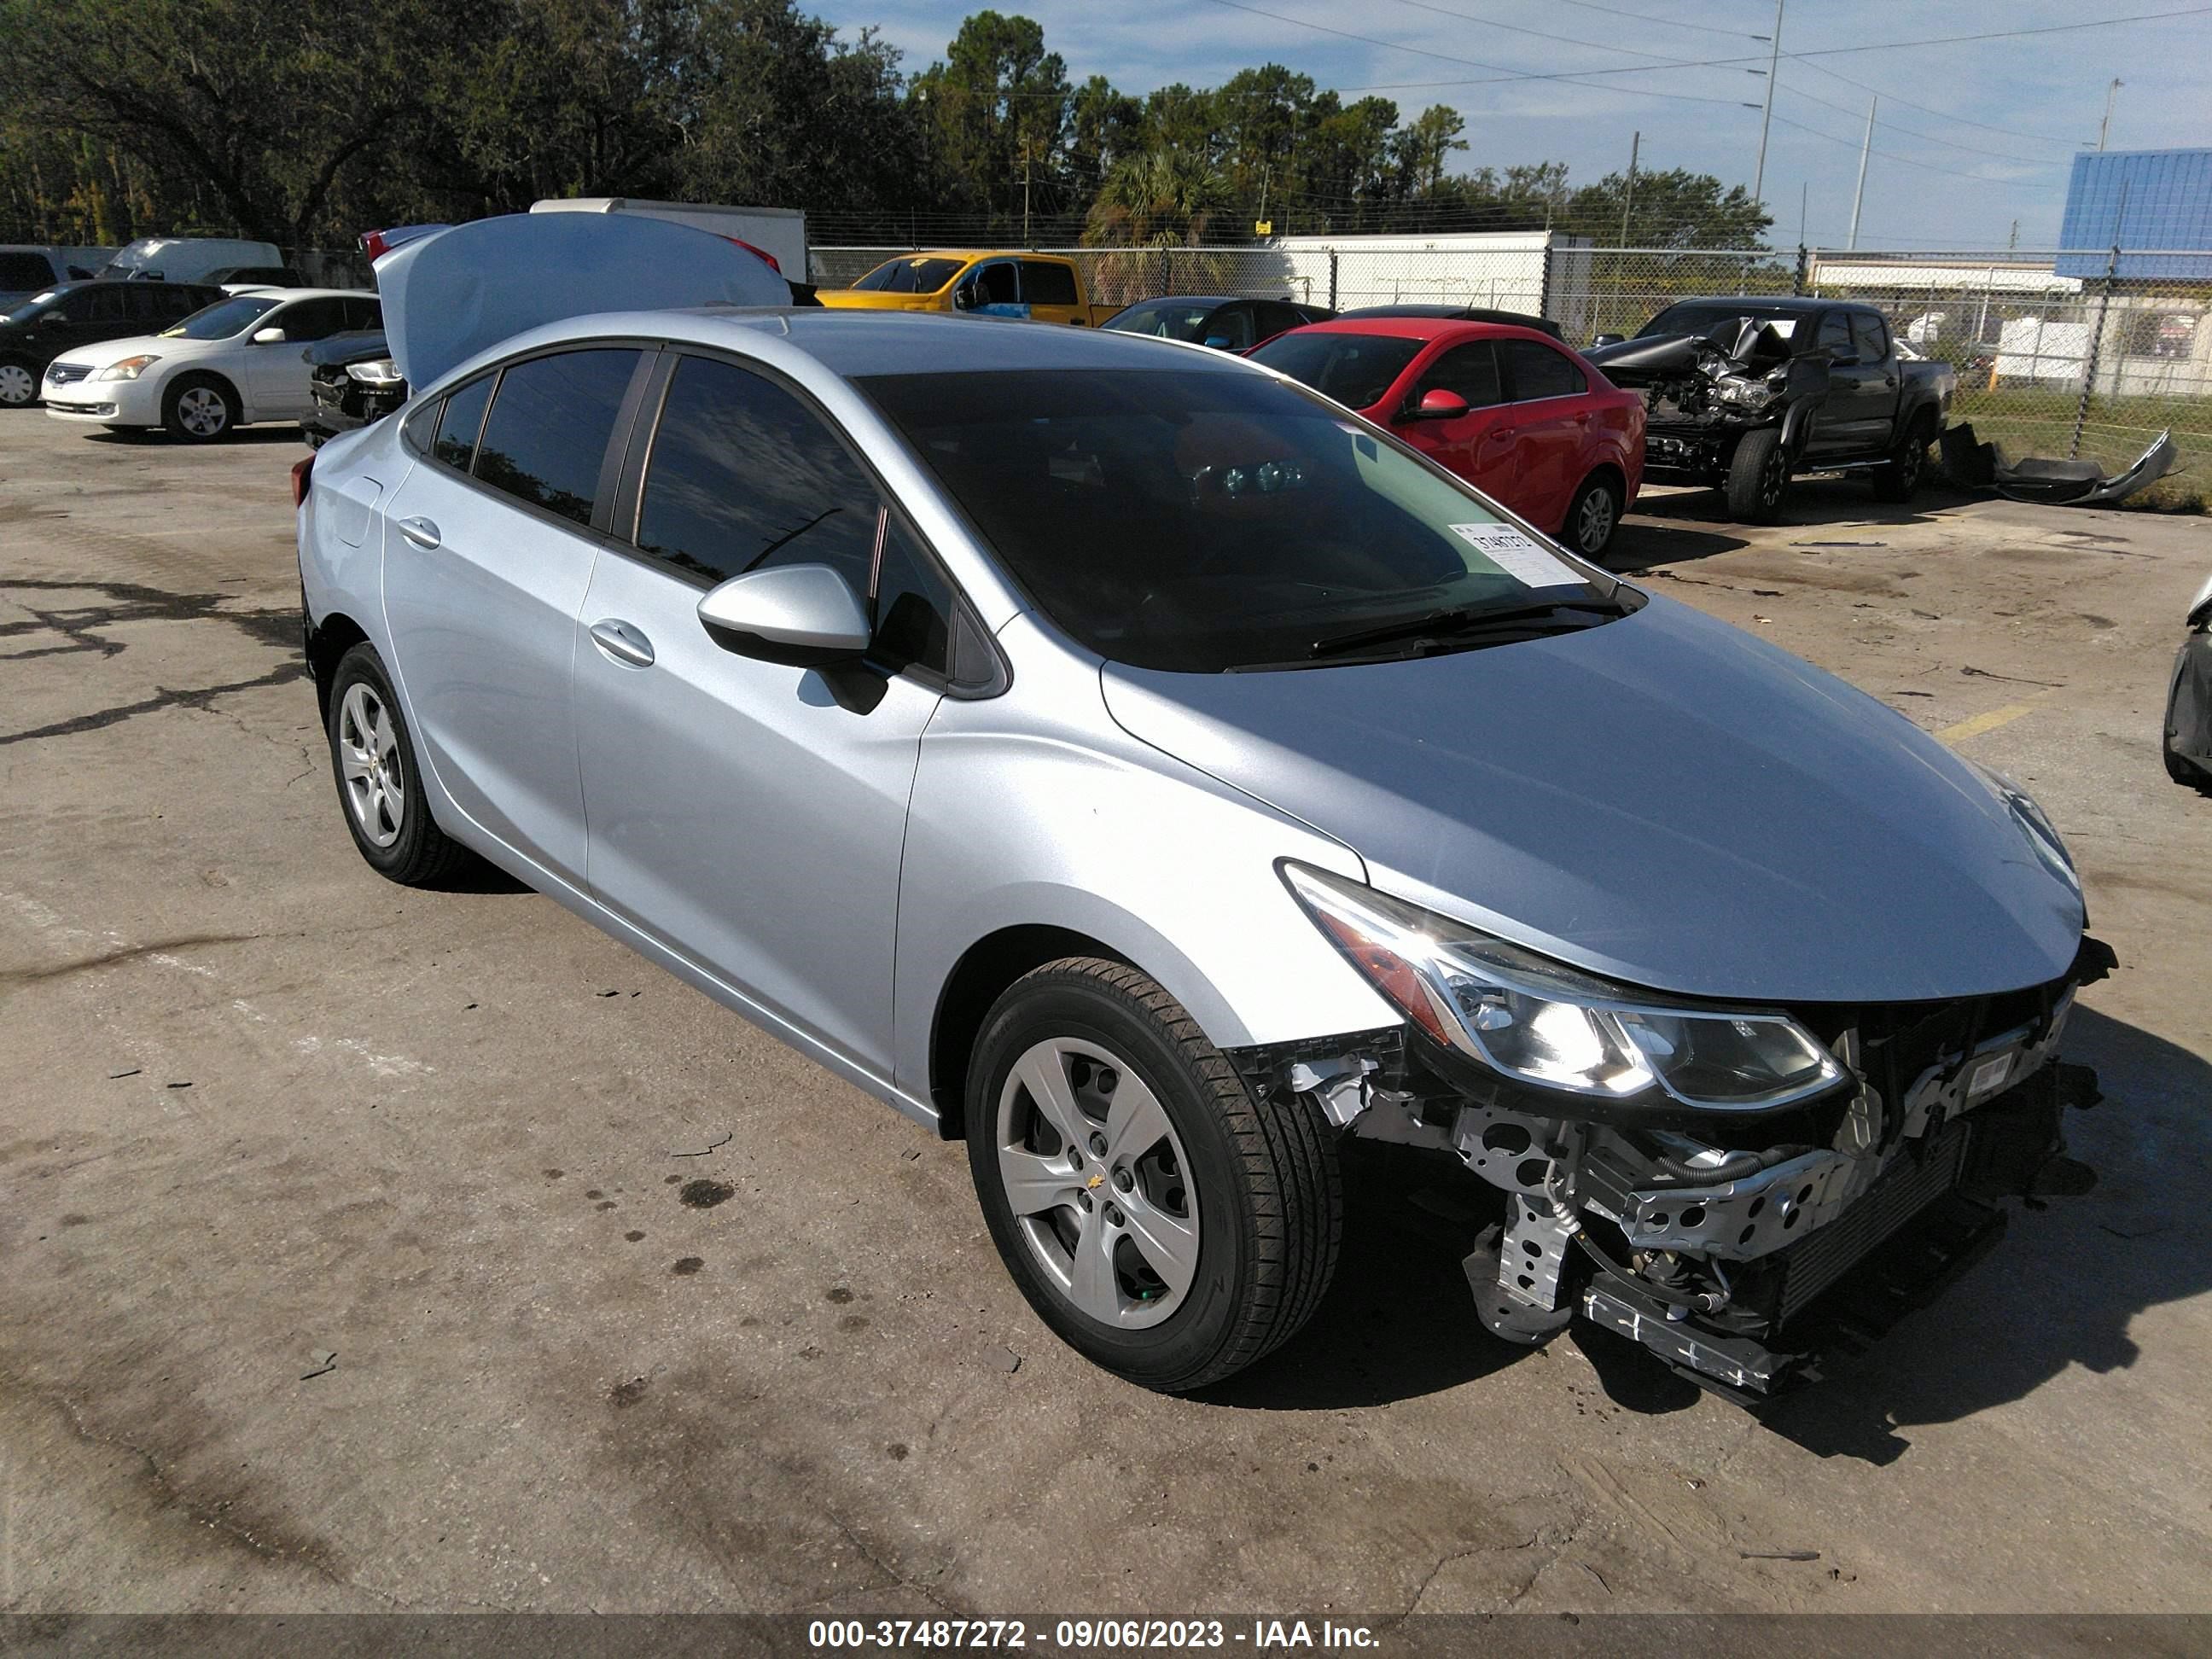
<point x="1162" y="199"/>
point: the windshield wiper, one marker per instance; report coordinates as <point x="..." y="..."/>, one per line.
<point x="1459" y="620"/>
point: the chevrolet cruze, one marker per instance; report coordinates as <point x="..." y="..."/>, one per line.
<point x="1120" y="758"/>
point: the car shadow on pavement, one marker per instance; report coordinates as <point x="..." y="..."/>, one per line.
<point x="2068" y="1282"/>
<point x="2061" y="1289"/>
<point x="247" y="436"/>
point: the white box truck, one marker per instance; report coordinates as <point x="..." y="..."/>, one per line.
<point x="778" y="232"/>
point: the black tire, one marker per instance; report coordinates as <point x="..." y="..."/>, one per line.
<point x="1900" y="476"/>
<point x="19" y="384"/>
<point x="420" y="854"/>
<point x="200" y="409"/>
<point x="1758" y="477"/>
<point x="1263" y="1174"/>
<point x="1593" y="516"/>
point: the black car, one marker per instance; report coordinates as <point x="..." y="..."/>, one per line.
<point x="1229" y="322"/>
<point x="72" y="314"/>
<point x="1461" y="315"/>
<point x="355" y="382"/>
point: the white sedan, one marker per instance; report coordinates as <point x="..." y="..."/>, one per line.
<point x="234" y="362"/>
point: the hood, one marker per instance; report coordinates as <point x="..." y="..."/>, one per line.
<point x="1662" y="799"/>
<point x="1633" y="362"/>
<point x="100" y="353"/>
<point x="453" y="294"/>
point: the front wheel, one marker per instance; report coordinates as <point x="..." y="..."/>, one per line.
<point x="1758" y="477"/>
<point x="1593" y="516"/>
<point x="1164" y="1222"/>
<point x="200" y="409"/>
<point x="1897" y="478"/>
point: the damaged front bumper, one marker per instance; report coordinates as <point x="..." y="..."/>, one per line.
<point x="1744" y="1250"/>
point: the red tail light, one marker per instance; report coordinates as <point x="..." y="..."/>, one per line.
<point x="302" y="473"/>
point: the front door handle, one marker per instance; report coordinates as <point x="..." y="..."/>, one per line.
<point x="623" y="642"/>
<point x="421" y="532"/>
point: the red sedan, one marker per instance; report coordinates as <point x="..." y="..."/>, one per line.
<point x="1512" y="411"/>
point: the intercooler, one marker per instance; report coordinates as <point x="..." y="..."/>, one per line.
<point x="1815" y="1263"/>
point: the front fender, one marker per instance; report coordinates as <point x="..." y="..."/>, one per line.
<point x="1035" y="810"/>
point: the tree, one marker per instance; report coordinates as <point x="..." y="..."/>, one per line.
<point x="1673" y="209"/>
<point x="1162" y="198"/>
<point x="998" y="109"/>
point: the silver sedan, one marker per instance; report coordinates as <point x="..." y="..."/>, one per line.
<point x="1116" y="756"/>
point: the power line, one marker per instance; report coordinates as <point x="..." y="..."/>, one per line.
<point x="1911" y="133"/>
<point x="1943" y="115"/>
<point x="1668" y="22"/>
<point x="1563" y="39"/>
<point x="1925" y="166"/>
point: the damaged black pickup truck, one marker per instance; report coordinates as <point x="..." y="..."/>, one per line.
<point x="1744" y="393"/>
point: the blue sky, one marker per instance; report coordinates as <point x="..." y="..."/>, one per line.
<point x="1969" y="137"/>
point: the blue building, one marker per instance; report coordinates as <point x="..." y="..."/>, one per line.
<point x="2159" y="200"/>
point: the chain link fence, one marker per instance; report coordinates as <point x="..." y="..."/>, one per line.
<point x="2059" y="353"/>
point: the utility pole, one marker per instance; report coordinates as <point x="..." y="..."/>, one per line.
<point x="1866" y="149"/>
<point x="1804" y="190"/>
<point x="2104" y="126"/>
<point x="1025" y="192"/>
<point x="1628" y="196"/>
<point x="1773" y="64"/>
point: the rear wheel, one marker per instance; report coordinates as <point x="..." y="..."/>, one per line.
<point x="200" y="409"/>
<point x="380" y="784"/>
<point x="1166" y="1223"/>
<point x="1593" y="515"/>
<point x="19" y="384"/>
<point x="1897" y="478"/>
<point x="1758" y="477"/>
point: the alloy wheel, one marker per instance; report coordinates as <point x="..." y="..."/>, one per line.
<point x="1774" y="479"/>
<point x="17" y="387"/>
<point x="368" y="758"/>
<point x="1593" y="524"/>
<point x="202" y="411"/>
<point x="1096" y="1177"/>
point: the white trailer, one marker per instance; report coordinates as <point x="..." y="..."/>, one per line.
<point x="779" y="232"/>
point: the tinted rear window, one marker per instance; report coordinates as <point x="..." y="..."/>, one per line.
<point x="1355" y="369"/>
<point x="923" y="276"/>
<point x="547" y="433"/>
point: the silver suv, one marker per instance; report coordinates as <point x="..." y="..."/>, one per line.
<point x="1114" y="755"/>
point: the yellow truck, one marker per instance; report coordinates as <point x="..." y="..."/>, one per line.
<point x="1042" y="285"/>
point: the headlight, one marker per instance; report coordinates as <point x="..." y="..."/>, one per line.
<point x="1745" y="394"/>
<point x="1536" y="1021"/>
<point x="381" y="372"/>
<point x="128" y="368"/>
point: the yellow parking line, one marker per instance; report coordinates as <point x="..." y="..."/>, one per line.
<point x="1981" y="723"/>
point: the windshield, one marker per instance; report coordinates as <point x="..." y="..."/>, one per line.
<point x="1704" y="316"/>
<point x="1166" y="319"/>
<point x="222" y="319"/>
<point x="923" y="275"/>
<point x="1199" y="522"/>
<point x="1355" y="369"/>
<point x="22" y="312"/>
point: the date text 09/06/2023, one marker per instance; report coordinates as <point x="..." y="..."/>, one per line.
<point x="1086" y="1634"/>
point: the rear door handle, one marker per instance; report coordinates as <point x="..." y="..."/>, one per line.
<point x="421" y="532"/>
<point x="623" y="642"/>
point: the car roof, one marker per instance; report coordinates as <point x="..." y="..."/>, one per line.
<point x="855" y="344"/>
<point x="1786" y="303"/>
<point x="289" y="295"/>
<point x="1424" y="328"/>
<point x="1184" y="299"/>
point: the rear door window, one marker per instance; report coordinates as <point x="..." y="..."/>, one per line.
<point x="1045" y="283"/>
<point x="546" y="440"/>
<point x="1533" y="371"/>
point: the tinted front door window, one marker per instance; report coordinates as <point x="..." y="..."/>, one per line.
<point x="744" y="474"/>
<point x="546" y="437"/>
<point x="1469" y="370"/>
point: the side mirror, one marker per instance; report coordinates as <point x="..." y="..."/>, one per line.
<point x="1842" y="359"/>
<point x="1607" y="340"/>
<point x="1438" y="404"/>
<point x="806" y="614"/>
<point x="268" y="337"/>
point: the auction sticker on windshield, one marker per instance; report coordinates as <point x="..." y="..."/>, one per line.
<point x="1513" y="553"/>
